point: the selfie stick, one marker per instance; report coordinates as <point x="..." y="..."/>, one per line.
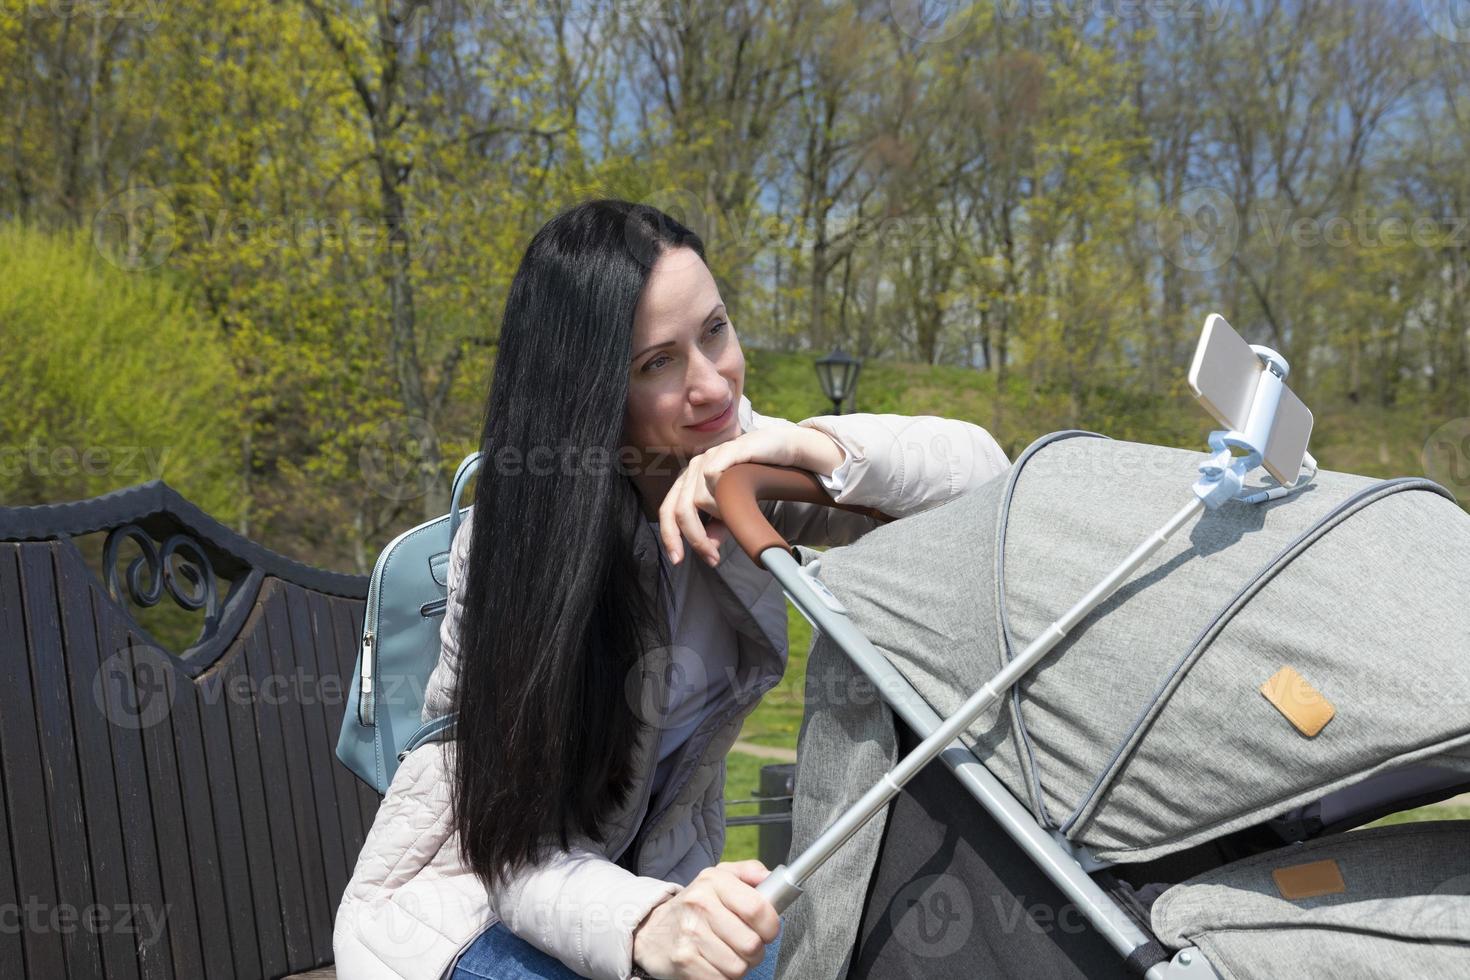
<point x="1221" y="478"/>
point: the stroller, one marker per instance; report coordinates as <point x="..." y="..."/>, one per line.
<point x="1177" y="787"/>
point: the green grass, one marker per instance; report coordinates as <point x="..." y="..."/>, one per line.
<point x="1437" y="811"/>
<point x="777" y="719"/>
<point x="775" y="722"/>
<point x="742" y="779"/>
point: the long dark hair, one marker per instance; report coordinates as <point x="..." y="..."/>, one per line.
<point x="554" y="615"/>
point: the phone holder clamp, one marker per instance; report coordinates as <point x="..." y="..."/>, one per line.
<point x="1223" y="475"/>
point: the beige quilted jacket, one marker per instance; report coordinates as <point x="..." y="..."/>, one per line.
<point x="412" y="906"/>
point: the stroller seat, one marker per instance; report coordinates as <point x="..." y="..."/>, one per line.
<point x="1383" y="901"/>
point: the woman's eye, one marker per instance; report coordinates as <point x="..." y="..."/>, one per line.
<point x="714" y="330"/>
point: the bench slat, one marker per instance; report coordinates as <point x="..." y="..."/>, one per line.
<point x="211" y="691"/>
<point x="290" y="885"/>
<point x="11" y="950"/>
<point x="323" y="703"/>
<point x="206" y="863"/>
<point x="20" y="754"/>
<point x="280" y="659"/>
<point x="324" y="630"/>
<point x="79" y="596"/>
<point x="176" y="851"/>
<point x="261" y="857"/>
<point x="135" y="811"/>
<point x="63" y="800"/>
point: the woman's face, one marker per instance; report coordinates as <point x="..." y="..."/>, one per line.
<point x="687" y="371"/>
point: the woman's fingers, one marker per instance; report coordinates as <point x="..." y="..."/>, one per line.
<point x="727" y="944"/>
<point x="668" y="526"/>
<point x="737" y="893"/>
<point x="690" y="502"/>
<point x="686" y="512"/>
<point x="705" y="970"/>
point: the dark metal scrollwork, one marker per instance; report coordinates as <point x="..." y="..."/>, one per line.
<point x="192" y="584"/>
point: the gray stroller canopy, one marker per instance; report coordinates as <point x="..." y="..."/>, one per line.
<point x="1147" y="730"/>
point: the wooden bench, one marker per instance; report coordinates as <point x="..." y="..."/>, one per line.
<point x="171" y="804"/>
<point x="170" y="809"/>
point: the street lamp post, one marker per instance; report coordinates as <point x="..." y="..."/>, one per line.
<point x="838" y="374"/>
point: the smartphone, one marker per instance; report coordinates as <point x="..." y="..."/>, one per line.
<point x="1224" y="375"/>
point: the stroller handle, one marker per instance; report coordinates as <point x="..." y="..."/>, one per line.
<point x="744" y="485"/>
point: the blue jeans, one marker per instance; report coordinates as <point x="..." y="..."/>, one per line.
<point x="499" y="954"/>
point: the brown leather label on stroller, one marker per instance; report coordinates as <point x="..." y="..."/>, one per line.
<point x="1302" y="704"/>
<point x="1309" y="880"/>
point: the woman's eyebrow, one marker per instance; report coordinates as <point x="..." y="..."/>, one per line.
<point x="707" y="318"/>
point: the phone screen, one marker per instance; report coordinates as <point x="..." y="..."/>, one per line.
<point x="1224" y="375"/>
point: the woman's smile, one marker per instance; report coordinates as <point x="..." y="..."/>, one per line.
<point x="719" y="421"/>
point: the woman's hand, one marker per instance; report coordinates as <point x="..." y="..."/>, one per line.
<point x="715" y="928"/>
<point x="693" y="490"/>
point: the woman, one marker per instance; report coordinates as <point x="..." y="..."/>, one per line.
<point x="601" y="643"/>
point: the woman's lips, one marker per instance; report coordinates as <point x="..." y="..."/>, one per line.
<point x="717" y="423"/>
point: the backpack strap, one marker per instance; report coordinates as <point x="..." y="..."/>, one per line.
<point x="439" y="729"/>
<point x="467" y="468"/>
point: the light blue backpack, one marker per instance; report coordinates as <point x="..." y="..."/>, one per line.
<point x="400" y="646"/>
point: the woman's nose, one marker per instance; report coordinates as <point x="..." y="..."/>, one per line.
<point x="707" y="384"/>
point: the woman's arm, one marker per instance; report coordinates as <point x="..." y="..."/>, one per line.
<point x="896" y="464"/>
<point x="413" y="902"/>
<point x="582" y="909"/>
